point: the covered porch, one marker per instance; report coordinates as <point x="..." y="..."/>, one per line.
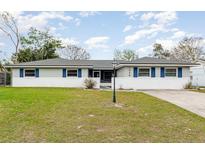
<point x="104" y="75"/>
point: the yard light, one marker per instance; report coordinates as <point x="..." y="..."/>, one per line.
<point x="114" y="95"/>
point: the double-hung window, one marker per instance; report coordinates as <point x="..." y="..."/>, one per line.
<point x="144" y="72"/>
<point x="30" y="73"/>
<point x="170" y="72"/>
<point x="72" y="73"/>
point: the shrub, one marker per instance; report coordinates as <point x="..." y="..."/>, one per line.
<point x="188" y="86"/>
<point x="89" y="83"/>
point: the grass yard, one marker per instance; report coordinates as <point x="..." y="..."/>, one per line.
<point x="75" y="115"/>
<point x="200" y="90"/>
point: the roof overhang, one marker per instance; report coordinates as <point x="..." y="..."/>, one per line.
<point x="166" y="65"/>
<point x="99" y="68"/>
<point x="49" y="66"/>
<point x="103" y="68"/>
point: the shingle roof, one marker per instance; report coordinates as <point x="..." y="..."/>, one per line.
<point x="96" y="63"/>
<point x="151" y="60"/>
<point x="65" y="62"/>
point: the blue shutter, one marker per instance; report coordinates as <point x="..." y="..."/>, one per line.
<point x="79" y="72"/>
<point x="21" y="72"/>
<point x="179" y="72"/>
<point x="162" y="72"/>
<point x="153" y="72"/>
<point x="64" y="72"/>
<point x="37" y="72"/>
<point x="135" y="72"/>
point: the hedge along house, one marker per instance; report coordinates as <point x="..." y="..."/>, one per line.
<point x="143" y="73"/>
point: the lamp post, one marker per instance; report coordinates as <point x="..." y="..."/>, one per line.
<point x="114" y="95"/>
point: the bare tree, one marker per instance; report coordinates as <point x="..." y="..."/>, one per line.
<point x="8" y="25"/>
<point x="74" y="52"/>
<point x="190" y="49"/>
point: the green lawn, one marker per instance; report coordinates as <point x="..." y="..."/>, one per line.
<point x="201" y="90"/>
<point x="75" y="115"/>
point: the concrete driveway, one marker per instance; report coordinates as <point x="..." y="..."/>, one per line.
<point x="192" y="101"/>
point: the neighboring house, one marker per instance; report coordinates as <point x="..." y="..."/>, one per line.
<point x="198" y="74"/>
<point x="143" y="73"/>
<point x="4" y="78"/>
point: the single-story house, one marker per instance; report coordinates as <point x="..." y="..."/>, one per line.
<point x="198" y="74"/>
<point x="143" y="73"/>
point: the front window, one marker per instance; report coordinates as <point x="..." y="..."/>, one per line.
<point x="170" y="72"/>
<point x="144" y="72"/>
<point x="29" y="73"/>
<point x="72" y="73"/>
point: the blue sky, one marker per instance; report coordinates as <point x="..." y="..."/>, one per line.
<point x="100" y="33"/>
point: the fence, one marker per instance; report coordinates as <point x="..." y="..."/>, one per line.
<point x="5" y="78"/>
<point x="198" y="76"/>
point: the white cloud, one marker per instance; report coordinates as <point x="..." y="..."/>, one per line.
<point x="2" y="44"/>
<point x="132" y="14"/>
<point x="67" y="41"/>
<point x="174" y="29"/>
<point x="144" y="51"/>
<point x="127" y="28"/>
<point x="61" y="26"/>
<point x="130" y="39"/>
<point x="39" y="21"/>
<point x="161" y="22"/>
<point x="161" y="17"/>
<point x="97" y="42"/>
<point x="178" y="34"/>
<point x="88" y="13"/>
<point x="77" y="21"/>
<point x="54" y="15"/>
<point x="165" y="17"/>
<point x="147" y="16"/>
<point x="52" y="29"/>
<point x="153" y="35"/>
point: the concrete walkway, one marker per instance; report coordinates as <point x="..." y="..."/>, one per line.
<point x="192" y="101"/>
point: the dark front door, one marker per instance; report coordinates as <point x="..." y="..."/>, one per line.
<point x="106" y="76"/>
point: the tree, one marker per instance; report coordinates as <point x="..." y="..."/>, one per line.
<point x="189" y="49"/>
<point x="160" y="52"/>
<point x="126" y="54"/>
<point x="8" y="25"/>
<point x="74" y="52"/>
<point x="37" y="45"/>
<point x="26" y="55"/>
<point x="2" y="63"/>
<point x="1" y="66"/>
